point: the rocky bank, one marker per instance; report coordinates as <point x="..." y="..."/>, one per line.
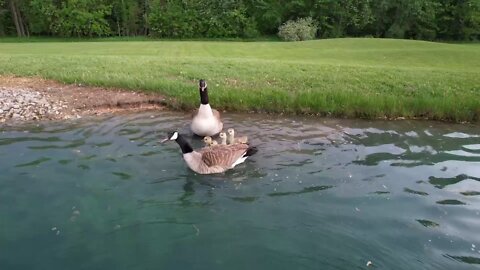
<point x="30" y="99"/>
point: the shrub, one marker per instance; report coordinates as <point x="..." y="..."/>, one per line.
<point x="301" y="29"/>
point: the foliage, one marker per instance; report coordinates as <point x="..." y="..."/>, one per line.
<point x="410" y="19"/>
<point x="301" y="29"/>
<point x="201" y="18"/>
<point x="81" y="18"/>
<point x="127" y="17"/>
<point x="3" y="17"/>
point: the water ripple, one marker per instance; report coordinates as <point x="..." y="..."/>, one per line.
<point x="399" y="193"/>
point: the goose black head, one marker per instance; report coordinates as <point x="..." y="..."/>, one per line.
<point x="171" y="136"/>
<point x="202" y="87"/>
<point x="184" y="145"/>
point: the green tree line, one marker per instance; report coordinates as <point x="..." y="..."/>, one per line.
<point x="412" y="19"/>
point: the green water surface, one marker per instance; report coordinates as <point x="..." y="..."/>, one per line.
<point x="320" y="194"/>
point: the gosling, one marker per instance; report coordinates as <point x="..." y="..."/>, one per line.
<point x="223" y="137"/>
<point x="232" y="140"/>
<point x="209" y="141"/>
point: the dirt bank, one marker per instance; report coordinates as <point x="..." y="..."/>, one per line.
<point x="24" y="99"/>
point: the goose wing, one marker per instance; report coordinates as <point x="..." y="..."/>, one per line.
<point x="223" y="155"/>
<point x="216" y="114"/>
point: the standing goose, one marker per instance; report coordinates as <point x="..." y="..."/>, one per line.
<point x="231" y="139"/>
<point x="215" y="159"/>
<point x="206" y="121"/>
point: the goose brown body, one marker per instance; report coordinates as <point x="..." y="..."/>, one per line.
<point x="214" y="159"/>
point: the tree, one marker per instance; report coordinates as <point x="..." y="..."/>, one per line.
<point x="268" y="14"/>
<point x="127" y="17"/>
<point x="3" y="17"/>
<point x="405" y="18"/>
<point x="82" y="18"/>
<point x="459" y="19"/>
<point x="17" y="16"/>
<point x="200" y="18"/>
<point x="42" y="15"/>
<point x="414" y="19"/>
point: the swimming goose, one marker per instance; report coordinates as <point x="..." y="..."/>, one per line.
<point x="215" y="159"/>
<point x="223" y="137"/>
<point x="206" y="121"/>
<point x="209" y="141"/>
<point x="232" y="140"/>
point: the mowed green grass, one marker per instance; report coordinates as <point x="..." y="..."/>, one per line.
<point x="368" y="78"/>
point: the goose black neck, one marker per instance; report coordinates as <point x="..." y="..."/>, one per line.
<point x="186" y="147"/>
<point x="204" y="96"/>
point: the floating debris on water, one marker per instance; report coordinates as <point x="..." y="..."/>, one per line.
<point x="54" y="228"/>
<point x="58" y="232"/>
<point x="76" y="212"/>
<point x="369" y="263"/>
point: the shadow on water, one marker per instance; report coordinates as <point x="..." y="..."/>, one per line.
<point x="464" y="259"/>
<point x="34" y="163"/>
<point x="416" y="192"/>
<point x="440" y="182"/>
<point x="428" y="223"/>
<point x="451" y="202"/>
<point x="304" y="190"/>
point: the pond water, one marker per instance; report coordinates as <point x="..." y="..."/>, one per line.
<point x="320" y="194"/>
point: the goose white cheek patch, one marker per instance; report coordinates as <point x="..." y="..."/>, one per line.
<point x="174" y="136"/>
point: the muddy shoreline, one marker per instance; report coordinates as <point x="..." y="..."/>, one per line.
<point x="33" y="98"/>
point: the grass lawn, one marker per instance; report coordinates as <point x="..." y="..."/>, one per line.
<point x="367" y="78"/>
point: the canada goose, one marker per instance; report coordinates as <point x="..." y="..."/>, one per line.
<point x="209" y="141"/>
<point x="231" y="137"/>
<point x="223" y="137"/>
<point x="206" y="121"/>
<point x="215" y="159"/>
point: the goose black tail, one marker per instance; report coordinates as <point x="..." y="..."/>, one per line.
<point x="250" y="151"/>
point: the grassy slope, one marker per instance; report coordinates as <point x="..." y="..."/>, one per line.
<point x="344" y="77"/>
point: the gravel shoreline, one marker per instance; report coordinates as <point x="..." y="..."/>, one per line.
<point x="30" y="99"/>
<point x="24" y="104"/>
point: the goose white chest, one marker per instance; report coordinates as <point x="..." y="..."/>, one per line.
<point x="205" y="123"/>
